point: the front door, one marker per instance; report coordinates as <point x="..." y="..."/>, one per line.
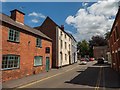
<point x="47" y="63"/>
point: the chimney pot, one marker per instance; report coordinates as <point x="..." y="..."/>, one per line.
<point x="62" y="27"/>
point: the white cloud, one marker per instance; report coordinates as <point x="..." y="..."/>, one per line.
<point x="36" y="16"/>
<point x="2" y="0"/>
<point x="35" y="20"/>
<point x="94" y="20"/>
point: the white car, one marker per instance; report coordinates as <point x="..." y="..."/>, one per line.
<point x="83" y="62"/>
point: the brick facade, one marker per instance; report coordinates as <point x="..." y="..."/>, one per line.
<point x="17" y="16"/>
<point x="27" y="50"/>
<point x="100" y="51"/>
<point x="114" y="43"/>
<point x="49" y="28"/>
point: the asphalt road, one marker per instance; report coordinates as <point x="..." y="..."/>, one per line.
<point x="95" y="77"/>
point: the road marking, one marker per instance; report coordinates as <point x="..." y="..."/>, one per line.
<point x="99" y="79"/>
<point x="34" y="82"/>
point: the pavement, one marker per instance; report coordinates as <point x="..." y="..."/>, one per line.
<point x="87" y="77"/>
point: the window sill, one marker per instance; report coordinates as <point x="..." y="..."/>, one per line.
<point x="38" y="47"/>
<point x="47" y="53"/>
<point x="9" y="69"/>
<point x="13" y="41"/>
<point x="38" y="65"/>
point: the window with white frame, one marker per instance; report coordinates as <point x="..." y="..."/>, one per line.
<point x="65" y="45"/>
<point x="65" y="56"/>
<point x="47" y="50"/>
<point x="10" y="61"/>
<point x="38" y="42"/>
<point x="69" y="46"/>
<point x="61" y="34"/>
<point x="61" y="44"/>
<point x="65" y="35"/>
<point x="13" y="35"/>
<point x="38" y="60"/>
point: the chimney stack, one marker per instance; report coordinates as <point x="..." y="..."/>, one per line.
<point x="17" y="16"/>
<point x="62" y="27"/>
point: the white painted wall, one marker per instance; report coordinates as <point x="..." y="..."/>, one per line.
<point x="74" y="51"/>
<point x="63" y="50"/>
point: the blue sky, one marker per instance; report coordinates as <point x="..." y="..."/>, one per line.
<point x="57" y="11"/>
<point x="83" y="20"/>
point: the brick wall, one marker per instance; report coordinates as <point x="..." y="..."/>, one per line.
<point x="49" y="28"/>
<point x="17" y="16"/>
<point x="27" y="51"/>
<point x="114" y="43"/>
<point x="100" y="51"/>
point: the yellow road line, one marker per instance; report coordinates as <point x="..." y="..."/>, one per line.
<point x="99" y="79"/>
<point x="23" y="86"/>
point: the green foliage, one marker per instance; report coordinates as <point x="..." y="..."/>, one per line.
<point x="107" y="35"/>
<point x="83" y="48"/>
<point x="86" y="48"/>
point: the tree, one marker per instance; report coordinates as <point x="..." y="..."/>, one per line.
<point x="96" y="41"/>
<point x="83" y="48"/>
<point x="107" y="35"/>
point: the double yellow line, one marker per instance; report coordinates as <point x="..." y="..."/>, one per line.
<point x="99" y="78"/>
<point x="34" y="82"/>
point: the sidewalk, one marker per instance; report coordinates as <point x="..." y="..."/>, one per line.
<point x="32" y="78"/>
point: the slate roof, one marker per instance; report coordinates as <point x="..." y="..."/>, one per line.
<point x="72" y="37"/>
<point x="8" y="20"/>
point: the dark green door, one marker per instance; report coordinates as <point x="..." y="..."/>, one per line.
<point x="47" y="63"/>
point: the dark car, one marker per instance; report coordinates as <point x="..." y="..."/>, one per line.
<point x="100" y="60"/>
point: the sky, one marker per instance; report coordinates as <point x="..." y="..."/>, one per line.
<point x="81" y="19"/>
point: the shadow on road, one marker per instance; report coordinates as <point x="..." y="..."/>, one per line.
<point x="89" y="77"/>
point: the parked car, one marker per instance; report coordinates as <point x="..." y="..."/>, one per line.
<point x="105" y="61"/>
<point x="83" y="62"/>
<point x="100" y="60"/>
<point x="87" y="59"/>
<point x="82" y="59"/>
<point x="91" y="59"/>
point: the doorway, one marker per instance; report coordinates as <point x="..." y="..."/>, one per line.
<point x="47" y="64"/>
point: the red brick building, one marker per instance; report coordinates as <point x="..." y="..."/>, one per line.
<point x="114" y="43"/>
<point x="100" y="51"/>
<point x="25" y="51"/>
<point x="49" y="28"/>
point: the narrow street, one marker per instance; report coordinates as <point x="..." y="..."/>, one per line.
<point x="90" y="76"/>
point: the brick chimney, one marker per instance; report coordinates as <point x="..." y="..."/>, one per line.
<point x="17" y="15"/>
<point x="62" y="27"/>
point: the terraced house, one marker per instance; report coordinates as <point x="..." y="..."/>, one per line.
<point x="25" y="51"/>
<point x="73" y="49"/>
<point x="62" y="51"/>
<point x="114" y="43"/>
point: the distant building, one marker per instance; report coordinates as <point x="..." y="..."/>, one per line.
<point x="25" y="51"/>
<point x="114" y="43"/>
<point x="100" y="51"/>
<point x="61" y="42"/>
<point x="73" y="50"/>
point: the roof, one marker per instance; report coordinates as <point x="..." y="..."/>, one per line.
<point x="72" y="37"/>
<point x="48" y="18"/>
<point x="10" y="21"/>
<point x="114" y="22"/>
